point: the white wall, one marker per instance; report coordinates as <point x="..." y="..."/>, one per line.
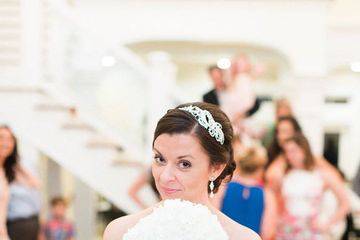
<point x="295" y="28"/>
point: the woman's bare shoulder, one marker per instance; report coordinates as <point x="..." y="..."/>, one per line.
<point x="276" y="171"/>
<point x="279" y="162"/>
<point x="328" y="169"/>
<point x="118" y="227"/>
<point x="236" y="230"/>
<point x="245" y="232"/>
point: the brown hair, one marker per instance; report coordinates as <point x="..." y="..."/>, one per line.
<point x="251" y="160"/>
<point x="283" y="102"/>
<point x="274" y="150"/>
<point x="57" y="200"/>
<point x="303" y="143"/>
<point x="177" y="121"/>
<point x="213" y="67"/>
<point x="12" y="160"/>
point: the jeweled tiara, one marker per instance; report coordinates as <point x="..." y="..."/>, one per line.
<point x="205" y="119"/>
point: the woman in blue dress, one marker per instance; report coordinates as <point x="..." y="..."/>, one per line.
<point x="245" y="199"/>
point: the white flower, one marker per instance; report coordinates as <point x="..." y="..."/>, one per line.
<point x="178" y="220"/>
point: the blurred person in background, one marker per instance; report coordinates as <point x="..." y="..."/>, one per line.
<point x="239" y="100"/>
<point x="349" y="227"/>
<point x="245" y="199"/>
<point x="302" y="190"/>
<point x="144" y="179"/>
<point x="216" y="75"/>
<point x="223" y="86"/>
<point x="239" y="96"/>
<point x="287" y="127"/>
<point x="4" y="198"/>
<point x="282" y="109"/>
<point x="23" y="203"/>
<point x="58" y="227"/>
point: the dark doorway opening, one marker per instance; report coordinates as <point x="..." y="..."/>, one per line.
<point x="331" y="148"/>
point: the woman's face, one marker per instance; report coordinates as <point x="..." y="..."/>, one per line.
<point x="181" y="167"/>
<point x="294" y="154"/>
<point x="218" y="79"/>
<point x="240" y="65"/>
<point x="7" y="144"/>
<point x="285" y="130"/>
<point x="283" y="110"/>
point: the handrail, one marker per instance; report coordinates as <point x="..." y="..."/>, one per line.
<point x="65" y="97"/>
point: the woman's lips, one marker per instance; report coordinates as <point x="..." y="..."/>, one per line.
<point x="169" y="190"/>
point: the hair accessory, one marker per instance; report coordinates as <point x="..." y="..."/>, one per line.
<point x="205" y="119"/>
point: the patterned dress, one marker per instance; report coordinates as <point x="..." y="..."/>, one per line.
<point x="58" y="229"/>
<point x="302" y="193"/>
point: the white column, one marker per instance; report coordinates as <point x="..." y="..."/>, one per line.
<point x="84" y="211"/>
<point x="307" y="98"/>
<point x="54" y="180"/>
<point x="160" y="88"/>
<point x="50" y="177"/>
<point x="349" y="152"/>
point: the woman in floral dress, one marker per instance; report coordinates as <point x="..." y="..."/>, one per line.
<point x="302" y="190"/>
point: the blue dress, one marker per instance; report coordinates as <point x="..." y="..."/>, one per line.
<point x="244" y="204"/>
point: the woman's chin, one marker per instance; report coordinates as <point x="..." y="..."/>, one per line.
<point x="165" y="196"/>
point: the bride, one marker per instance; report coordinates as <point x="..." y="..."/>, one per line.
<point x="192" y="155"/>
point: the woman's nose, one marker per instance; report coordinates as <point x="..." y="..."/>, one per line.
<point x="168" y="174"/>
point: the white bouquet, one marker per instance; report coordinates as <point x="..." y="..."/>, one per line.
<point x="178" y="220"/>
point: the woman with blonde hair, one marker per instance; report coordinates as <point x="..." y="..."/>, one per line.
<point x="245" y="199"/>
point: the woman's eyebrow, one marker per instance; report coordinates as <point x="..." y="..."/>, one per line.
<point x="179" y="157"/>
<point x="157" y="151"/>
<point x="185" y="156"/>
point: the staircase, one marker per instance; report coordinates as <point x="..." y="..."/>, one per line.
<point x="10" y="39"/>
<point x="60" y="122"/>
<point x="76" y="143"/>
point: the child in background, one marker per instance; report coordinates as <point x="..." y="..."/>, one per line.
<point x="58" y="227"/>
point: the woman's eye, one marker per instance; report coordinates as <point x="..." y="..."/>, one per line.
<point x="184" y="164"/>
<point x="159" y="159"/>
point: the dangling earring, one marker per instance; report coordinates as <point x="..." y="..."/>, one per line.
<point x="211" y="185"/>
